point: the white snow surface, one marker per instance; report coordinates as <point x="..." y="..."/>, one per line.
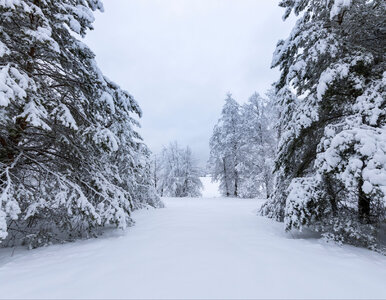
<point x="212" y="248"/>
<point x="211" y="189"/>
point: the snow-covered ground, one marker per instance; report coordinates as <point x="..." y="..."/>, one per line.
<point x="211" y="189"/>
<point x="195" y="248"/>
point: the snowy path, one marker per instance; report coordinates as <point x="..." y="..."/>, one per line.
<point x="195" y="248"/>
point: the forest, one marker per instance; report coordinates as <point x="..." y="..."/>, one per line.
<point x="308" y="156"/>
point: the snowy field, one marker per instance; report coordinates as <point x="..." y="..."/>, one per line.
<point x="211" y="189"/>
<point x="195" y="248"/>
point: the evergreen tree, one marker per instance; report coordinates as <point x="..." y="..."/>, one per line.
<point x="331" y="165"/>
<point x="69" y="156"/>
<point x="225" y="149"/>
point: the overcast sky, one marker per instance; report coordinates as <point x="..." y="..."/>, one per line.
<point x="179" y="58"/>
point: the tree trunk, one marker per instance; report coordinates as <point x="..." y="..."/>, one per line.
<point x="267" y="186"/>
<point x="363" y="204"/>
<point x="331" y="193"/>
<point x="225" y="178"/>
<point x="236" y="185"/>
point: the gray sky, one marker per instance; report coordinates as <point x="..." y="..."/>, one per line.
<point x="179" y="58"/>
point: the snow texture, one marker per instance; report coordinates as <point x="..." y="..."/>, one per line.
<point x="338" y="7"/>
<point x="211" y="189"/>
<point x="201" y="248"/>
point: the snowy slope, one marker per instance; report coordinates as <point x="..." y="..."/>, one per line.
<point x="211" y="189"/>
<point x="195" y="248"/>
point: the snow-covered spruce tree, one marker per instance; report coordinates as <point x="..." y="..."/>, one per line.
<point x="257" y="147"/>
<point x="225" y="149"/>
<point x="331" y="162"/>
<point x="69" y="156"/>
<point x="284" y="102"/>
<point x="178" y="174"/>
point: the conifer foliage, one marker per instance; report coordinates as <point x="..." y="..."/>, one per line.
<point x="331" y="166"/>
<point x="70" y="159"/>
